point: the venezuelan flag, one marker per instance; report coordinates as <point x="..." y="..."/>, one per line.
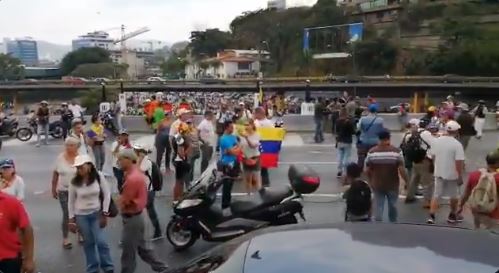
<point x="270" y="146"/>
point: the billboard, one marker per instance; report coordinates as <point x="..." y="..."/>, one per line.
<point x="331" y="41"/>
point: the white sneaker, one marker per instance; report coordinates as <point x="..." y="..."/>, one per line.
<point x="226" y="212"/>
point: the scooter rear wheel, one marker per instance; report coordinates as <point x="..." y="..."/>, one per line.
<point x="180" y="238"/>
<point x="24" y="134"/>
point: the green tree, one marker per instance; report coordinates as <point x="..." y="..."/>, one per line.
<point x="174" y="66"/>
<point x="376" y="56"/>
<point x="101" y="70"/>
<point x="207" y="43"/>
<point x="84" y="56"/>
<point x="10" y="68"/>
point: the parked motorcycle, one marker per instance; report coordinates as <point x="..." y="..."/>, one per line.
<point x="8" y="126"/>
<point x="26" y="133"/>
<point x="196" y="215"/>
<point x="108" y="122"/>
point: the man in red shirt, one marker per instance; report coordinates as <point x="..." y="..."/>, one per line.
<point x="16" y="254"/>
<point x="491" y="220"/>
<point x="133" y="201"/>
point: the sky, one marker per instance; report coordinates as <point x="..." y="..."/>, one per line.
<point x="60" y="21"/>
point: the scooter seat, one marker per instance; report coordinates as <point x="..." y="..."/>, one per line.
<point x="265" y="197"/>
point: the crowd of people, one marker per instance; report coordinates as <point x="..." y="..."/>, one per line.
<point x="430" y="159"/>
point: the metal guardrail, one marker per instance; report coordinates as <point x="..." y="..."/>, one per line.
<point x="363" y="79"/>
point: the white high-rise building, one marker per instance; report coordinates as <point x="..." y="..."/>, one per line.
<point x="94" y="39"/>
<point x="276" y="4"/>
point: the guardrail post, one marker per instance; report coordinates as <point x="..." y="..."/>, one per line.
<point x="415" y="102"/>
<point x="121" y="87"/>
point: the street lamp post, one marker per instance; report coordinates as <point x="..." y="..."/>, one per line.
<point x="104" y="98"/>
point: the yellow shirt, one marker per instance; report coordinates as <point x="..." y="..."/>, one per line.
<point x="98" y="129"/>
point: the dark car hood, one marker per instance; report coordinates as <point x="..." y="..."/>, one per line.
<point x="374" y="248"/>
<point x="354" y="248"/>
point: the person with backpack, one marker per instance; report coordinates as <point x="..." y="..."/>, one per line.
<point x="154" y="182"/>
<point x="358" y="196"/>
<point x="415" y="146"/>
<point x="479" y="112"/>
<point x="369" y="128"/>
<point x="482" y="194"/>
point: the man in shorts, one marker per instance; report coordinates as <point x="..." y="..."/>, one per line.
<point x="448" y="157"/>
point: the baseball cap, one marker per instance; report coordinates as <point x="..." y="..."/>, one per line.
<point x="463" y="106"/>
<point x="81" y="160"/>
<point x="183" y="111"/>
<point x="76" y="121"/>
<point x="373" y="108"/>
<point x="128" y="153"/>
<point x="44" y="102"/>
<point x="414" y="122"/>
<point x="6" y="163"/>
<point x="452" y="126"/>
<point x="124" y="132"/>
<point x="384" y="135"/>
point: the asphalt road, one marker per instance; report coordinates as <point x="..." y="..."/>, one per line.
<point x="35" y="165"/>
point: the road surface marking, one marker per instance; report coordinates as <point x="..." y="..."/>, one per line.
<point x="308" y="163"/>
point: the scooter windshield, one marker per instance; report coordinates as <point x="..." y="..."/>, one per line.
<point x="205" y="179"/>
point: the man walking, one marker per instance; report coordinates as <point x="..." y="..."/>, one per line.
<point x="319" y="112"/>
<point x="384" y="165"/>
<point x="207" y="138"/>
<point x="369" y="127"/>
<point x="16" y="255"/>
<point x="66" y="118"/>
<point x="479" y="112"/>
<point x="465" y="120"/>
<point x="415" y="146"/>
<point x="448" y="157"/>
<point x="133" y="201"/>
<point x="42" y="116"/>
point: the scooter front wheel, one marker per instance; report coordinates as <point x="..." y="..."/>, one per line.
<point x="179" y="236"/>
<point x="24" y="134"/>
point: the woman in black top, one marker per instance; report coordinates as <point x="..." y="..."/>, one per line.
<point x="345" y="128"/>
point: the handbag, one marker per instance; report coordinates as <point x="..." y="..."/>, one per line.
<point x="113" y="209"/>
<point x="250" y="162"/>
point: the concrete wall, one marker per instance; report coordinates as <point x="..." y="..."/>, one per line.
<point x="298" y="123"/>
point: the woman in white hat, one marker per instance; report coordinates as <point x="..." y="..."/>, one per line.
<point x="88" y="204"/>
<point x="10" y="182"/>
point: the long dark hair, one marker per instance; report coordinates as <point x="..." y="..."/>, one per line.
<point x="92" y="177"/>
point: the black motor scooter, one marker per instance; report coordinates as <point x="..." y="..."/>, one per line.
<point x="197" y="215"/>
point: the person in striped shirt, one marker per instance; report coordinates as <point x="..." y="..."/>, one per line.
<point x="384" y="166"/>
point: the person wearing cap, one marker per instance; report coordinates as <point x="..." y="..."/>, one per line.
<point x="445" y="115"/>
<point x="183" y="115"/>
<point x="122" y="142"/>
<point x="66" y="118"/>
<point x="465" y="120"/>
<point x="145" y="165"/>
<point x="133" y="201"/>
<point x="97" y="136"/>
<point x="369" y="127"/>
<point x="63" y="173"/>
<point x="10" y="182"/>
<point x="78" y="133"/>
<point x="16" y="237"/>
<point x="418" y="168"/>
<point x="479" y="112"/>
<point x="448" y="157"/>
<point x="488" y="220"/>
<point x="384" y="167"/>
<point x="89" y="197"/>
<point x="42" y="117"/>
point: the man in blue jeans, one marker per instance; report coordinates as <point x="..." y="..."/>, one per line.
<point x="369" y="127"/>
<point x="384" y="164"/>
<point x="319" y="113"/>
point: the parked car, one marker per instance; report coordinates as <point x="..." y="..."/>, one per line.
<point x="353" y="247"/>
<point x="155" y="80"/>
<point x="102" y="80"/>
<point x="75" y="80"/>
<point x="211" y="80"/>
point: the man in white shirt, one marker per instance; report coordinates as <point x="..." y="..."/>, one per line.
<point x="207" y="137"/>
<point x="76" y="110"/>
<point x="448" y="157"/>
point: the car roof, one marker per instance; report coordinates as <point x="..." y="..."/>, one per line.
<point x="372" y="247"/>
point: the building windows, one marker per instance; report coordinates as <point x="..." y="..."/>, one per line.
<point x="244" y="66"/>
